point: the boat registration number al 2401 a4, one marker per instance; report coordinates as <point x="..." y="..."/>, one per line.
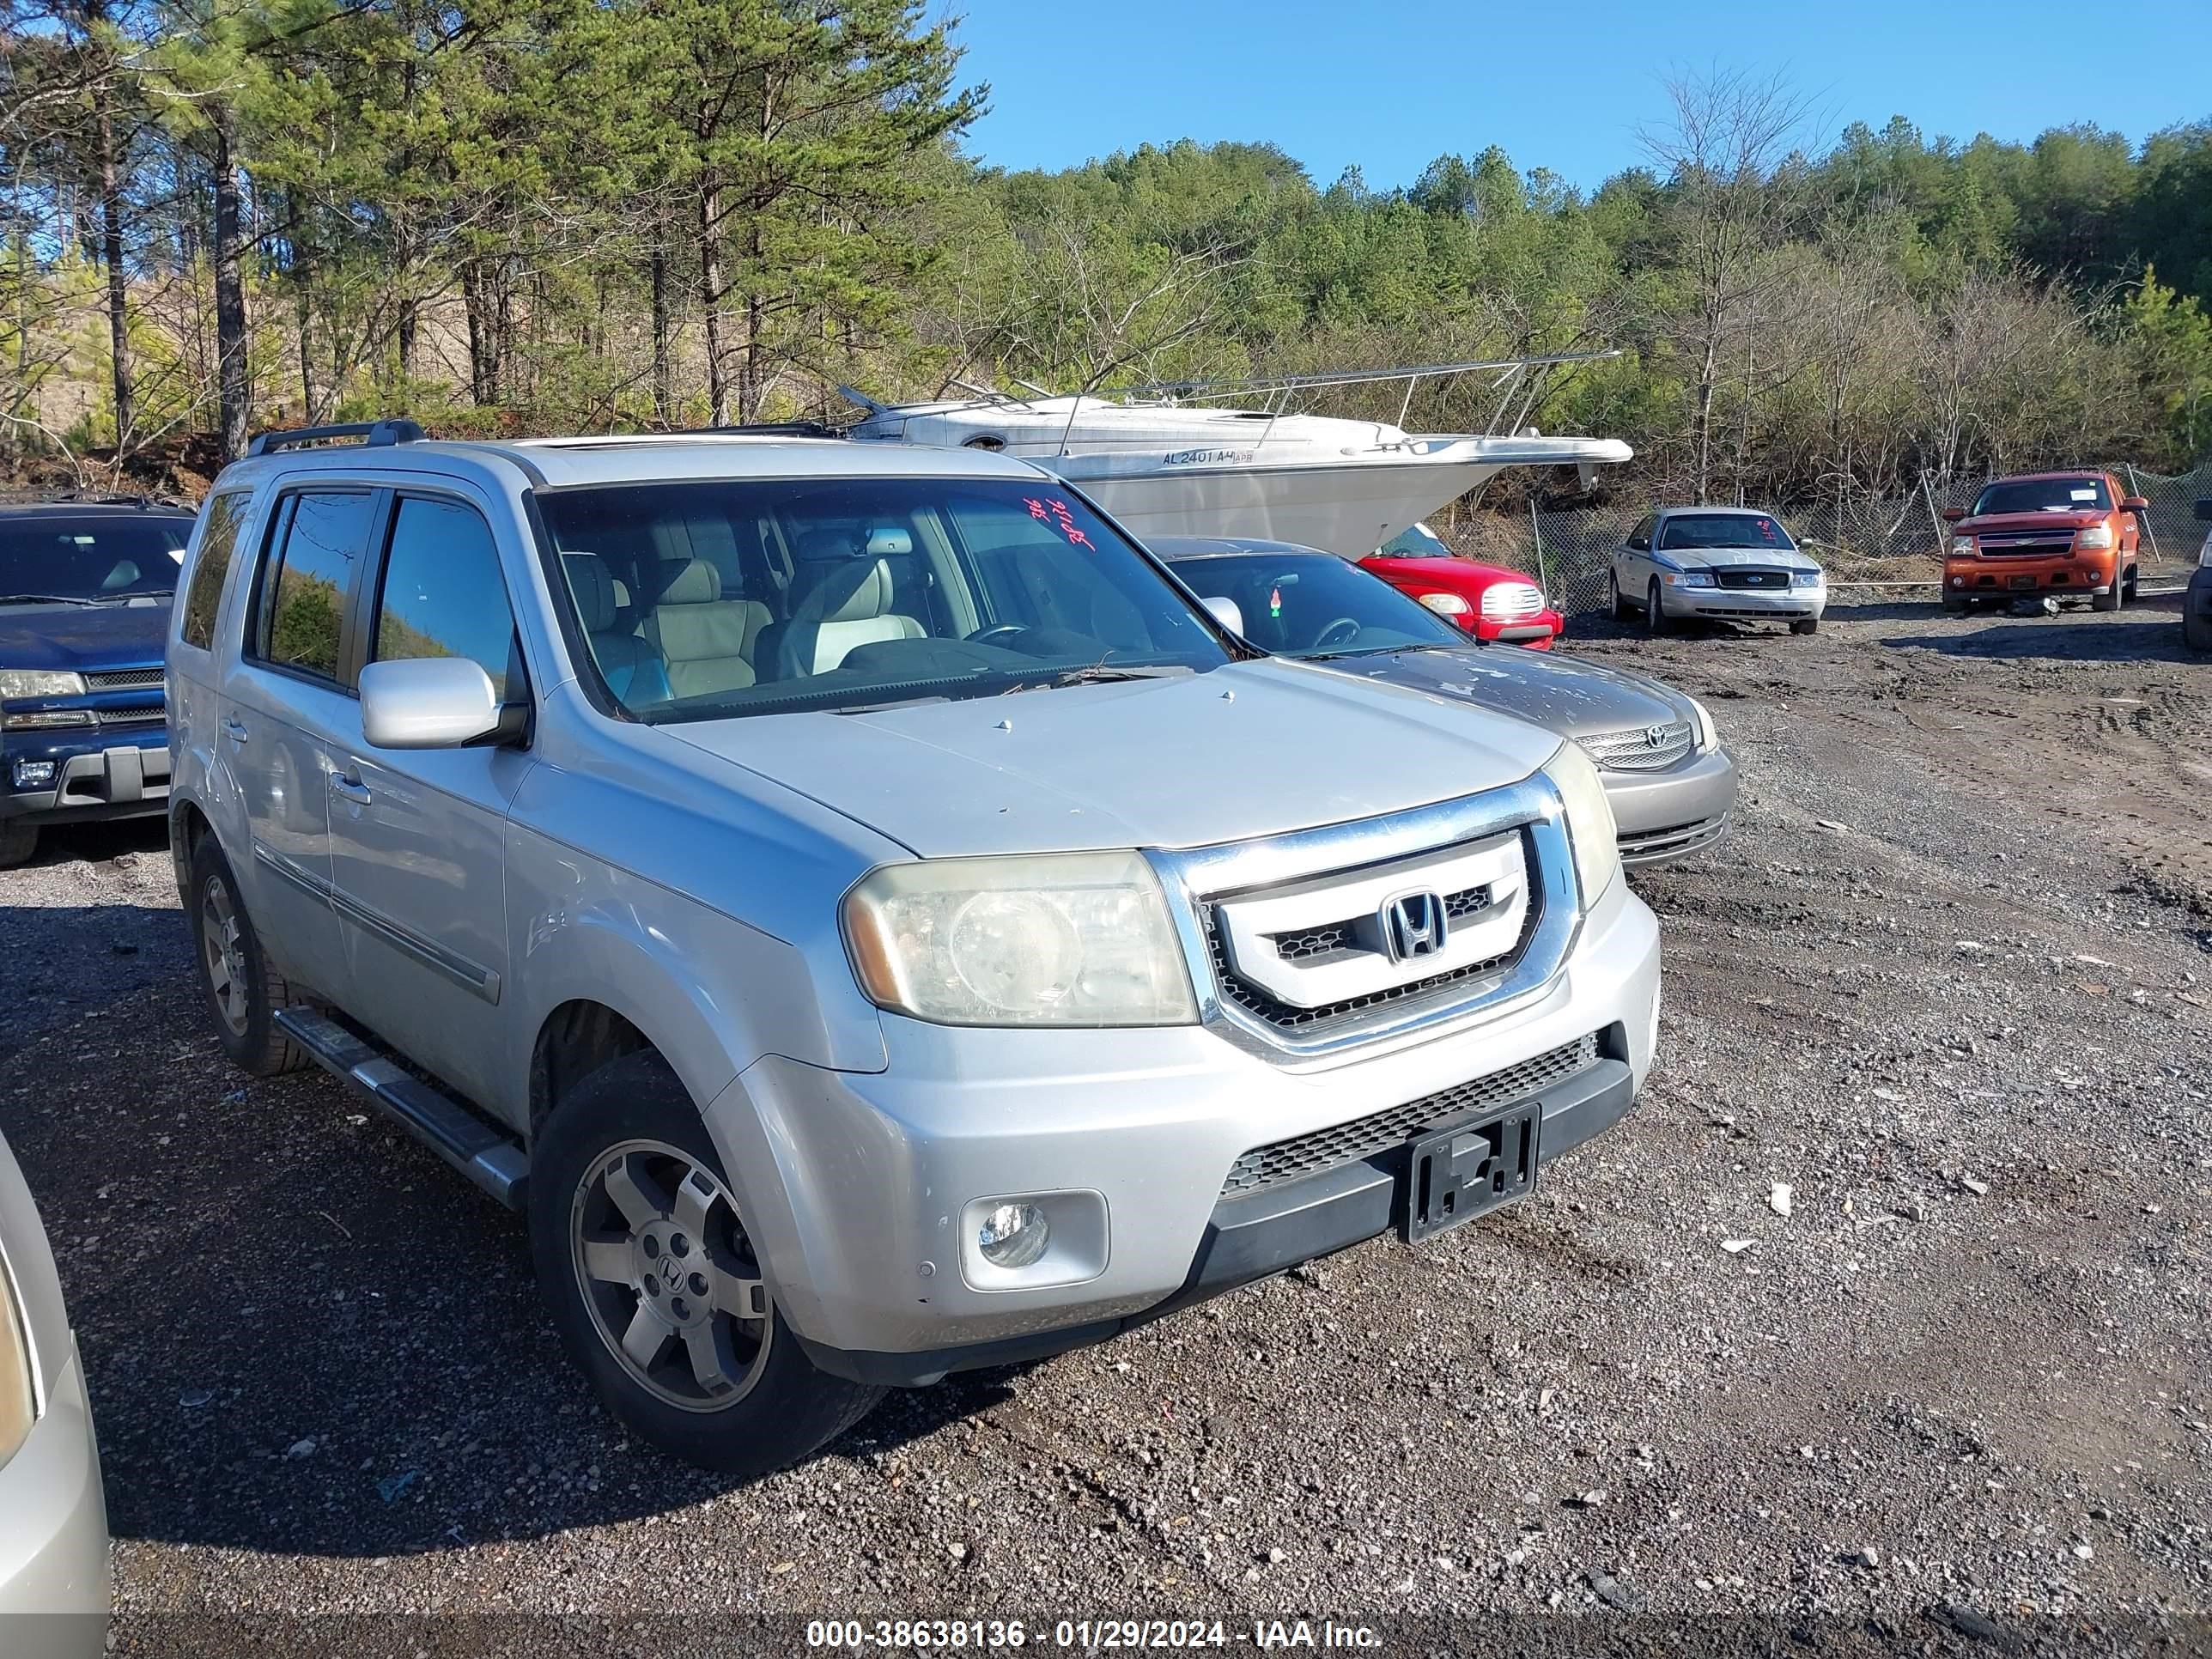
<point x="1204" y="457"/>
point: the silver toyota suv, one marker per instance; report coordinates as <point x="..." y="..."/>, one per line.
<point x="867" y="914"/>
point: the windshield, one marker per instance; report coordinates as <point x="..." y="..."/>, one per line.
<point x="2043" y="495"/>
<point x="97" y="557"/>
<point x="706" y="600"/>
<point x="1308" y="605"/>
<point x="1724" y="530"/>
<point x="1419" y="542"/>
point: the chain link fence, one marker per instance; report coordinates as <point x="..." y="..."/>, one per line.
<point x="1895" y="544"/>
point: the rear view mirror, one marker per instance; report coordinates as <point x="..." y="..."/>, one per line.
<point x="2135" y="504"/>
<point x="427" y="702"/>
<point x="1953" y="515"/>
<point x="1226" y="612"/>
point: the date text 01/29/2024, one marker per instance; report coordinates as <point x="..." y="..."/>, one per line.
<point x="1087" y="1635"/>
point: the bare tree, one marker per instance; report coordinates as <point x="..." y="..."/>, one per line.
<point x="1734" y="195"/>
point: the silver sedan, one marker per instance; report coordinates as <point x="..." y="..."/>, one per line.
<point x="1670" y="783"/>
<point x="53" y="1516"/>
<point x="1733" y="563"/>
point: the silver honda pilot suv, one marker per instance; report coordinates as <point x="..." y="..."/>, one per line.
<point x="868" y="915"/>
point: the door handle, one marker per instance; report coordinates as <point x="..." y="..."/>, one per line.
<point x="352" y="789"/>
<point x="233" y="729"/>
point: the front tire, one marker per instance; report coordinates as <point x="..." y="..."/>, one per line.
<point x="2195" y="630"/>
<point x="243" y="989"/>
<point x="19" y="839"/>
<point x="655" y="1286"/>
<point x="1809" y="625"/>
<point x="1956" y="605"/>
<point x="2114" y="597"/>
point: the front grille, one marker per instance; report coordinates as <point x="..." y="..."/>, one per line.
<point x="131" y="716"/>
<point x="1385" y="1131"/>
<point x="2028" y="545"/>
<point x="117" y="679"/>
<point x="1735" y="576"/>
<point x="1675" y="838"/>
<point x="1640" y="748"/>
<point x="1508" y="601"/>
<point x="1283" y="1017"/>
<point x="1326" y="941"/>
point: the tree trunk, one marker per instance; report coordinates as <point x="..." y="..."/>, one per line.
<point x="304" y="310"/>
<point x="663" y="379"/>
<point x="710" y="294"/>
<point x="407" y="338"/>
<point x="484" y="337"/>
<point x="235" y="385"/>
<point x="1704" y="424"/>
<point x="119" y="288"/>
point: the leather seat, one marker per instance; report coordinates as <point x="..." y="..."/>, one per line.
<point x="708" y="642"/>
<point x="633" y="673"/>
<point x="840" y="607"/>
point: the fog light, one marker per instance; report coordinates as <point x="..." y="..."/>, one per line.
<point x="1958" y="581"/>
<point x="33" y="775"/>
<point x="1013" y="1235"/>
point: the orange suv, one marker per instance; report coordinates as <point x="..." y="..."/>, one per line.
<point x="2045" y="535"/>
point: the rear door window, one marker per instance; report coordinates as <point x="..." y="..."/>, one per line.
<point x="320" y="539"/>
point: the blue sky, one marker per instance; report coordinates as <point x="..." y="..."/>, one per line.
<point x="1390" y="84"/>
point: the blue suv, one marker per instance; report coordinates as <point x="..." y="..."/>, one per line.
<point x="85" y="592"/>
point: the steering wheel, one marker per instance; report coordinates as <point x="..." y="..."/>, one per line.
<point x="1342" y="631"/>
<point x="998" y="634"/>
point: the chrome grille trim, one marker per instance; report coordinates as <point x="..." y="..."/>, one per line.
<point x="1510" y="601"/>
<point x="136" y="715"/>
<point x="1386" y="1131"/>
<point x="1195" y="878"/>
<point x="1634" y="750"/>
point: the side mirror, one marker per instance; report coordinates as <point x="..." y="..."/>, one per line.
<point x="2135" y="504"/>
<point x="1226" y="612"/>
<point x="427" y="702"/>
<point x="1953" y="515"/>
<point x="2205" y="511"/>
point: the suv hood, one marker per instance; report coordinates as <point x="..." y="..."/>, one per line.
<point x="1762" y="558"/>
<point x="83" y="639"/>
<point x="1574" y="699"/>
<point x="1170" y="763"/>
<point x="1988" y="522"/>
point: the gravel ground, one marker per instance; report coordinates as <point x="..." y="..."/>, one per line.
<point x="1949" y="983"/>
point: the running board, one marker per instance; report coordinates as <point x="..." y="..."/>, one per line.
<point x="449" y="1129"/>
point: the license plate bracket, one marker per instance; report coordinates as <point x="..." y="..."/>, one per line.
<point x="1453" y="1175"/>
<point x="2023" y="581"/>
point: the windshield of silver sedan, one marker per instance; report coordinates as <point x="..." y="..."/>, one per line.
<point x="706" y="600"/>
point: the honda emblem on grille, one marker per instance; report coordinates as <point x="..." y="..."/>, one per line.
<point x="1414" y="925"/>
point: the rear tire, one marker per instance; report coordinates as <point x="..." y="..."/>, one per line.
<point x="1809" y="625"/>
<point x="1654" y="612"/>
<point x="19" y="839"/>
<point x="1616" y="605"/>
<point x="244" y="990"/>
<point x="624" y="1182"/>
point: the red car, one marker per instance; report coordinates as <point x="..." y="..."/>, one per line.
<point x="1489" y="602"/>
<point x="2045" y="535"/>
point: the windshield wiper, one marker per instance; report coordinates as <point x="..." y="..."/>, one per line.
<point x="1096" y="674"/>
<point x="44" y="598"/>
<point x="1375" y="650"/>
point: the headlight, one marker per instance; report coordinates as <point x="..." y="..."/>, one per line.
<point x="39" y="683"/>
<point x="2097" y="535"/>
<point x="1445" y="604"/>
<point x="1688" y="578"/>
<point x="18" y="1403"/>
<point x="1701" y="722"/>
<point x="1805" y="578"/>
<point x="1079" y="938"/>
<point x="1962" y="547"/>
<point x="2204" y="554"/>
<point x="1589" y="820"/>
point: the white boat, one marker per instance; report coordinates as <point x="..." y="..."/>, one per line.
<point x="1165" y="468"/>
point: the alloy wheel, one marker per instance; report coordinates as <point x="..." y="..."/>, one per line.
<point x="671" y="1281"/>
<point x="225" y="955"/>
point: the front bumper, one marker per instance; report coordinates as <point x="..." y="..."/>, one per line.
<point x="1746" y="604"/>
<point x="2075" y="574"/>
<point x="111" y="773"/>
<point x="1669" y="815"/>
<point x="864" y="1231"/>
<point x="1536" y="632"/>
<point x="53" y="1534"/>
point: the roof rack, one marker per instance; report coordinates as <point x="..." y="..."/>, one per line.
<point x="776" y="429"/>
<point x="372" y="433"/>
